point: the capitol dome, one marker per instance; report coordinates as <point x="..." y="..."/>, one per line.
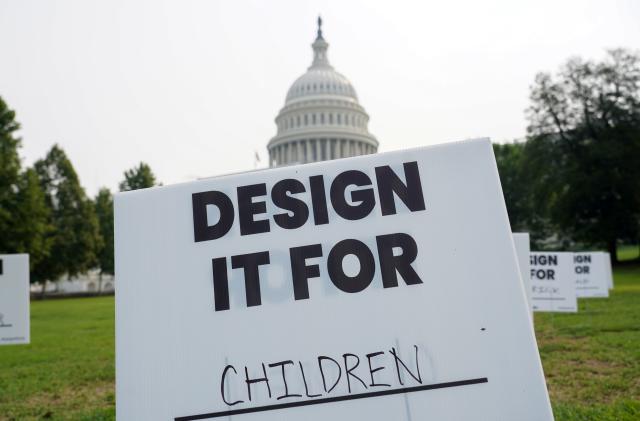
<point x="321" y="118"/>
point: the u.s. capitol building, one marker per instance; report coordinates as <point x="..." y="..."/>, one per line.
<point x="321" y="118"/>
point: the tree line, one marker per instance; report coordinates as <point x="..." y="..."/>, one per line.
<point x="45" y="212"/>
<point x="575" y="181"/>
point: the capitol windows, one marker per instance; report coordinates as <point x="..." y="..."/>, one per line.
<point x="339" y="118"/>
<point x="322" y="118"/>
<point x="313" y="119"/>
<point x="306" y="120"/>
<point x="330" y="118"/>
<point x="297" y="121"/>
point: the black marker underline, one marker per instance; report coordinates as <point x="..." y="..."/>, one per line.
<point x="335" y="399"/>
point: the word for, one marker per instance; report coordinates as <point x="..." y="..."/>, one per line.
<point x="251" y="200"/>
<point x="349" y="370"/>
<point x="548" y="274"/>
<point x="390" y="265"/>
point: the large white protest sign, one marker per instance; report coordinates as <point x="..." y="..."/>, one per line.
<point x="553" y="286"/>
<point x="379" y="287"/>
<point x="14" y="299"/>
<point x="522" y="243"/>
<point x="590" y="274"/>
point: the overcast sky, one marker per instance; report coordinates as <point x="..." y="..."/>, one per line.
<point x="192" y="87"/>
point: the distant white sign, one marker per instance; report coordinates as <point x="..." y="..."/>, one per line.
<point x="14" y="299"/>
<point x="522" y="244"/>
<point x="373" y="288"/>
<point x="606" y="262"/>
<point x="590" y="274"/>
<point x="553" y="286"/>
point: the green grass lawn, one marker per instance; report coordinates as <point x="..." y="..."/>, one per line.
<point x="628" y="252"/>
<point x="591" y="359"/>
<point x="67" y="372"/>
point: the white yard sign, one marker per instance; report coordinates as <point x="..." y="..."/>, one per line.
<point x="591" y="275"/>
<point x="372" y="288"/>
<point x="606" y="262"/>
<point x="14" y="299"/>
<point x="522" y="244"/>
<point x="553" y="286"/>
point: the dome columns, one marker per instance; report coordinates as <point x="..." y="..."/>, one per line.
<point x="317" y="149"/>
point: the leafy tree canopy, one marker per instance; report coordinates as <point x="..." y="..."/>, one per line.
<point x="583" y="148"/>
<point x="140" y="177"/>
<point x="76" y="238"/>
<point x="9" y="173"/>
<point x="104" y="211"/>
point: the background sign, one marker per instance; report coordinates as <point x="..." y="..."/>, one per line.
<point x="590" y="274"/>
<point x="521" y="242"/>
<point x="606" y="262"/>
<point x="382" y="287"/>
<point x="14" y="299"/>
<point x="553" y="286"/>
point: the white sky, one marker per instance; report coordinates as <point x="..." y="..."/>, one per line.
<point x="192" y="87"/>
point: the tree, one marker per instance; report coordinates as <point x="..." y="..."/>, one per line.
<point x="509" y="160"/>
<point x="32" y="227"/>
<point x="584" y="147"/>
<point x="9" y="175"/>
<point x="140" y="177"/>
<point x="104" y="211"/>
<point x="75" y="240"/>
<point x="23" y="214"/>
